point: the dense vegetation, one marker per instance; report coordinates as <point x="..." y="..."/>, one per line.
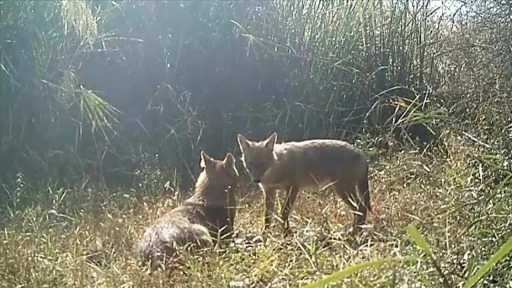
<point x="105" y="105"/>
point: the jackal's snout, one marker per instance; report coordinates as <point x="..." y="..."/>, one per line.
<point x="255" y="172"/>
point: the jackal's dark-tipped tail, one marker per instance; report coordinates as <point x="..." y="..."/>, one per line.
<point x="363" y="188"/>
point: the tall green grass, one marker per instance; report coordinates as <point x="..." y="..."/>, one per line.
<point x="48" y="118"/>
<point x="113" y="80"/>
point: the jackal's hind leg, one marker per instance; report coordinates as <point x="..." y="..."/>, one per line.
<point x="348" y="194"/>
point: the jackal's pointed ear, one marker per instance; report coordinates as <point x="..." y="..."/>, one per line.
<point x="205" y="160"/>
<point x="229" y="160"/>
<point x="243" y="143"/>
<point x="269" y="143"/>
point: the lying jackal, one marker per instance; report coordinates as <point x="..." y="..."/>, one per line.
<point x="206" y="215"/>
<point x="293" y="166"/>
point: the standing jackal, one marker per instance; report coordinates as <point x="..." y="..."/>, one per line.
<point x="206" y="215"/>
<point x="293" y="166"/>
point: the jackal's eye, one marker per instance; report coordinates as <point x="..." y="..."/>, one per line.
<point x="260" y="165"/>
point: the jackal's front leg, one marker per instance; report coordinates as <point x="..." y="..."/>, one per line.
<point x="269" y="195"/>
<point x="291" y="196"/>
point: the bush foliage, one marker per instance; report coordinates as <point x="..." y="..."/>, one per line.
<point x="89" y="86"/>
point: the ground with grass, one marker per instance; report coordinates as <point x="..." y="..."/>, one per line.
<point x="83" y="237"/>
